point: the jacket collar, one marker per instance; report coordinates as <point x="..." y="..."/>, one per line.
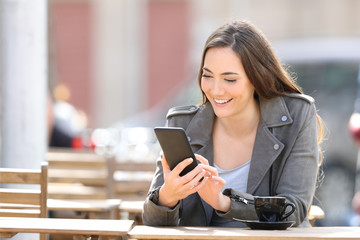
<point x="274" y="113"/>
<point x="200" y="127"/>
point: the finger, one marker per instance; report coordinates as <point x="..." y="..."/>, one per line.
<point x="213" y="171"/>
<point x="202" y="159"/>
<point x="205" y="164"/>
<point x="165" y="164"/>
<point x="197" y="170"/>
<point x="195" y="180"/>
<point x="200" y="185"/>
<point x="182" y="165"/>
<point x="198" y="177"/>
<point x="221" y="182"/>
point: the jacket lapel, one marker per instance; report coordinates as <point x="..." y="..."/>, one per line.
<point x="267" y="148"/>
<point x="200" y="132"/>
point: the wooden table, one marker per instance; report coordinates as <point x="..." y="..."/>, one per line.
<point x="76" y="227"/>
<point x="94" y="209"/>
<point x="146" y="232"/>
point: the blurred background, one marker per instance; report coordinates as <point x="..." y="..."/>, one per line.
<point x="101" y="74"/>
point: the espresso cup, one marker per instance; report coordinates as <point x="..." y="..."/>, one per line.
<point x="272" y="209"/>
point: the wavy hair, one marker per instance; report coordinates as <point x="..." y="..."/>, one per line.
<point x="262" y="67"/>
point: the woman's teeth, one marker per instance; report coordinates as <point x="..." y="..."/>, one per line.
<point x="221" y="101"/>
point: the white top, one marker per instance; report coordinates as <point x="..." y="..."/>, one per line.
<point x="235" y="178"/>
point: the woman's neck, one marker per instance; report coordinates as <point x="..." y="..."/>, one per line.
<point x="242" y="124"/>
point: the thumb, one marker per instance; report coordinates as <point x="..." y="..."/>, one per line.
<point x="202" y="159"/>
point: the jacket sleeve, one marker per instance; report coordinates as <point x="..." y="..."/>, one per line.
<point x="154" y="214"/>
<point x="296" y="180"/>
<point x="242" y="205"/>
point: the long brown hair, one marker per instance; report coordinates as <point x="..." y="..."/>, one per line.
<point x="257" y="57"/>
<point x="260" y="63"/>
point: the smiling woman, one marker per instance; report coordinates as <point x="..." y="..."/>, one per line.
<point x="226" y="85"/>
<point x="255" y="134"/>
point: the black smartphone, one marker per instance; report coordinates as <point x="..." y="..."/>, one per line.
<point x="175" y="146"/>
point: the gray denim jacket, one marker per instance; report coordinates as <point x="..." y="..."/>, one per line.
<point x="284" y="162"/>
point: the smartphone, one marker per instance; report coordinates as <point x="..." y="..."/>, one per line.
<point x="175" y="146"/>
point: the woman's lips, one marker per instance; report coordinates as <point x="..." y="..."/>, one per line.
<point x="222" y="101"/>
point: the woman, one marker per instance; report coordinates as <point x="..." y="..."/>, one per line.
<point x="255" y="134"/>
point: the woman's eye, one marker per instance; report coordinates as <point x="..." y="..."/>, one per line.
<point x="230" y="80"/>
<point x="205" y="76"/>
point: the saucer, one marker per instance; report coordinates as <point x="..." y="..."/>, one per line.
<point x="256" y="224"/>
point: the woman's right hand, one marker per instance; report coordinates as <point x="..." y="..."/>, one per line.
<point x="178" y="187"/>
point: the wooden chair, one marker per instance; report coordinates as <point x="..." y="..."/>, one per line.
<point x="86" y="175"/>
<point x="17" y="199"/>
<point x="83" y="176"/>
<point x="131" y="183"/>
<point x="75" y="178"/>
<point x="77" y="175"/>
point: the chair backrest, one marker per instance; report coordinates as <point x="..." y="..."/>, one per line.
<point x="19" y="200"/>
<point x="86" y="175"/>
<point x="77" y="175"/>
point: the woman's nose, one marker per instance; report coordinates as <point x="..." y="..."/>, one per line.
<point x="217" y="88"/>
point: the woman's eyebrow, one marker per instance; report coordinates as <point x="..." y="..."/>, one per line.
<point x="225" y="73"/>
<point x="229" y="73"/>
<point x="206" y="69"/>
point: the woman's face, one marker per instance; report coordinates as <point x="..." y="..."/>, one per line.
<point x="226" y="84"/>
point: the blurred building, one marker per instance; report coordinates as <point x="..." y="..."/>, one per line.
<point x="123" y="57"/>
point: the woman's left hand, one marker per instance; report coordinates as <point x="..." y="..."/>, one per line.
<point x="211" y="192"/>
